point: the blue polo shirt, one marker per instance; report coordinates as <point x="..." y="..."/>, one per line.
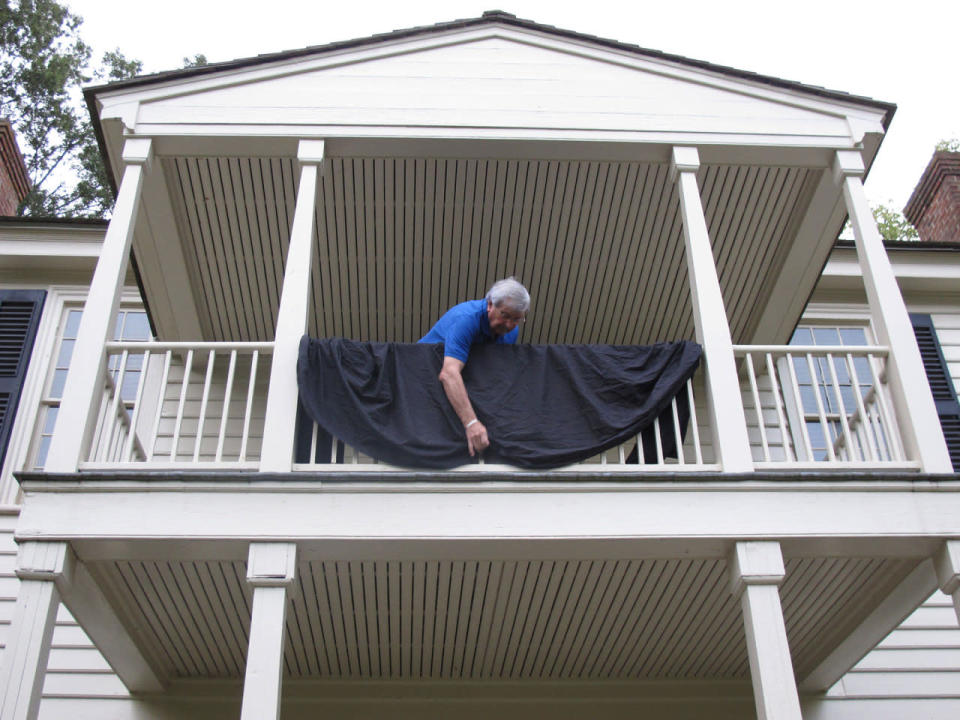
<point x="463" y="325"/>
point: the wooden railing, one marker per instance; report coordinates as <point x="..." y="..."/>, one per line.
<point x="820" y="407"/>
<point x="202" y="405"/>
<point x="194" y="404"/>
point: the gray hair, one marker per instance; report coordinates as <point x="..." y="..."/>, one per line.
<point x="511" y="292"/>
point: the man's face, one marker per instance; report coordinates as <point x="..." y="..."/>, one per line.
<point x="503" y="318"/>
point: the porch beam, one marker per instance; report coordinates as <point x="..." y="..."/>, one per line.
<point x="271" y="568"/>
<point x="756" y="569"/>
<point x="917" y="416"/>
<point x="281" y="413"/>
<point x="727" y="418"/>
<point x="24" y="666"/>
<point x="81" y="393"/>
<point x="948" y="572"/>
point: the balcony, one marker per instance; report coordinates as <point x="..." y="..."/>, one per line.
<point x="201" y="406"/>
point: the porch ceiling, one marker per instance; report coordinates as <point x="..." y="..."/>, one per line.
<point x="492" y="619"/>
<point x="399" y="240"/>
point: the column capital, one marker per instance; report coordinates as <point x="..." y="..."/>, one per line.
<point x="947" y="563"/>
<point x="271" y="564"/>
<point x="755" y="562"/>
<point x="138" y="151"/>
<point x="683" y="158"/>
<point x="847" y="163"/>
<point x="311" y="152"/>
<point x="50" y="561"/>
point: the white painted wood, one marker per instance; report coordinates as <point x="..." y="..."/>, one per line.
<point x="282" y="397"/>
<point x="756" y="570"/>
<point x="93" y="611"/>
<point x="889" y="614"/>
<point x="713" y="332"/>
<point x="948" y="571"/>
<point x="85" y="377"/>
<point x="271" y="567"/>
<point x="906" y="376"/>
<point x="24" y="660"/>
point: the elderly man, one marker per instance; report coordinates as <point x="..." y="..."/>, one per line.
<point x="495" y="319"/>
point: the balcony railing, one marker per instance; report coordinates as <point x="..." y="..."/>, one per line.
<point x="820" y="407"/>
<point x="202" y="406"/>
<point x="191" y="405"/>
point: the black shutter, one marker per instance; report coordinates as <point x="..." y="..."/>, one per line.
<point x="19" y="316"/>
<point x="941" y="384"/>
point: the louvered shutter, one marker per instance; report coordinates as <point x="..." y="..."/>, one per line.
<point x="941" y="384"/>
<point x="19" y="316"/>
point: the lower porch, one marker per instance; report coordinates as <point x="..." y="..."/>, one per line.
<point x="490" y="593"/>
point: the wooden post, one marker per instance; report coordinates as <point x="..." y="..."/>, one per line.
<point x="727" y="418"/>
<point x="916" y="412"/>
<point x="756" y="569"/>
<point x="39" y="565"/>
<point x="271" y="567"/>
<point x="948" y="572"/>
<point x="281" y="412"/>
<point x="81" y="393"/>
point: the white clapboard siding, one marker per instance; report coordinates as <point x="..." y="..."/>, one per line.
<point x="75" y="667"/>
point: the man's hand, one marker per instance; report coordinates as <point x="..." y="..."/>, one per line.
<point x="477" y="440"/>
<point x="452" y="381"/>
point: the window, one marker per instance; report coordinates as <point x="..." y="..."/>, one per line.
<point x="833" y="416"/>
<point x="131" y="324"/>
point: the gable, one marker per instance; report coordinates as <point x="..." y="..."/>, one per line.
<point x="493" y="79"/>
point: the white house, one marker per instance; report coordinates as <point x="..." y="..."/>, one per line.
<point x="359" y="189"/>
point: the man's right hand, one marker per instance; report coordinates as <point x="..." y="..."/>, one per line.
<point x="477" y="440"/>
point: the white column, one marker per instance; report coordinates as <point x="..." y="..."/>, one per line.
<point x="281" y="412"/>
<point x="81" y="393"/>
<point x="24" y="666"/>
<point x="271" y="567"/>
<point x="948" y="572"/>
<point x="727" y="417"/>
<point x="916" y="411"/>
<point x="756" y="569"/>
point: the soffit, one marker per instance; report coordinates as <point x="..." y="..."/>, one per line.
<point x="399" y="240"/>
<point x="493" y="619"/>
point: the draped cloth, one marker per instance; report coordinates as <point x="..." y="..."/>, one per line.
<point x="544" y="406"/>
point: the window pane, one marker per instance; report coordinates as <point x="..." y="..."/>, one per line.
<point x="50" y="420"/>
<point x="802" y="336"/>
<point x="42" y="449"/>
<point x="72" y="324"/>
<point x="66" y="351"/>
<point x="853" y="336"/>
<point x="129" y="390"/>
<point x="56" y="387"/>
<point x="136" y="327"/>
<point x="826" y="336"/>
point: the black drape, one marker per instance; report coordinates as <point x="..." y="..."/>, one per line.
<point x="544" y="406"/>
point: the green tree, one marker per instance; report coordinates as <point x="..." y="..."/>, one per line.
<point x="43" y="64"/>
<point x="951" y="145"/>
<point x="893" y="226"/>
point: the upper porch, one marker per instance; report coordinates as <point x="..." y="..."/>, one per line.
<point x="361" y="189"/>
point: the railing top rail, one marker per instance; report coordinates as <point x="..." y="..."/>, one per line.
<point x="813" y="349"/>
<point x="156" y="345"/>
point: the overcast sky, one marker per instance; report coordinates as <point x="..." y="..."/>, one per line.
<point x="904" y="52"/>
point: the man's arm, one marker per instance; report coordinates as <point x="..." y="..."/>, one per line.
<point x="452" y="381"/>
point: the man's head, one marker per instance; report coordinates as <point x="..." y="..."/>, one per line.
<point x="507" y="305"/>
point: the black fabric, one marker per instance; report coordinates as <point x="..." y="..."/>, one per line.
<point x="544" y="406"/>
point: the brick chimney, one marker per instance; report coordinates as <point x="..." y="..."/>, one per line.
<point x="934" y="206"/>
<point x="14" y="181"/>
